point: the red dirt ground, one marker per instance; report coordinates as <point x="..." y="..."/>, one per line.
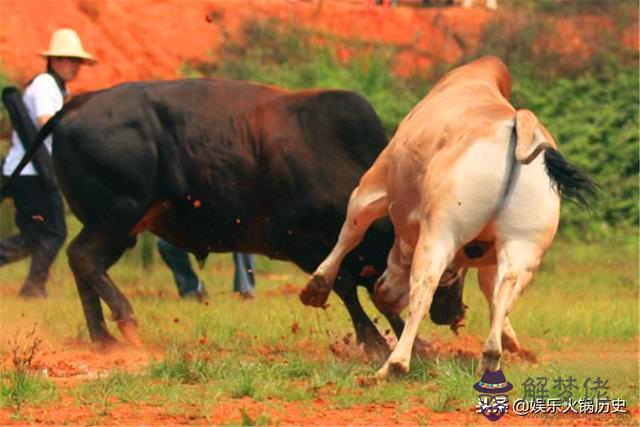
<point x="282" y="413"/>
<point x="76" y="362"/>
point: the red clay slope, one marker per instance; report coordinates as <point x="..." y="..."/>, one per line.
<point x="151" y="39"/>
<point x="145" y="39"/>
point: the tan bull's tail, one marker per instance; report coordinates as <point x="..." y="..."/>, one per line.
<point x="531" y="139"/>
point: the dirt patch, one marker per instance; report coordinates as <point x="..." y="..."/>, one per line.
<point x="78" y="361"/>
<point x="287" y="289"/>
<point x="277" y="412"/>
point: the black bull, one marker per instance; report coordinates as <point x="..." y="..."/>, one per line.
<point x="217" y="166"/>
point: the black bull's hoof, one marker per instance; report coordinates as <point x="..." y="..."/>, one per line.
<point x="375" y="346"/>
<point x="316" y="292"/>
<point x="447" y="307"/>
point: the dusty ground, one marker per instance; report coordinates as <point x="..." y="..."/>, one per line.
<point x="75" y="363"/>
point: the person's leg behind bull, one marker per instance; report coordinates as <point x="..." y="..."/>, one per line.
<point x="40" y="219"/>
<point x="52" y="232"/>
<point x="187" y="282"/>
<point x="244" y="277"/>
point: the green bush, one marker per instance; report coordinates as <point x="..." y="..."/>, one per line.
<point x="595" y="124"/>
<point x="574" y="7"/>
<point x="5" y="125"/>
<point x="588" y="103"/>
<point x="531" y="43"/>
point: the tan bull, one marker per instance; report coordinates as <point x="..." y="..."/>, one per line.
<point x="464" y="185"/>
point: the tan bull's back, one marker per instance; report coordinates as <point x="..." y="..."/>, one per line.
<point x="468" y="104"/>
<point x="465" y="104"/>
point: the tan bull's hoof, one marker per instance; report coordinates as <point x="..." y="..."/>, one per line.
<point x="393" y="369"/>
<point x="316" y="292"/>
<point x="490" y="360"/>
<point x="129" y="330"/>
<point x="382" y="373"/>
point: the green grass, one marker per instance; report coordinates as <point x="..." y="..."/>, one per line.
<point x="579" y="316"/>
<point x="19" y="388"/>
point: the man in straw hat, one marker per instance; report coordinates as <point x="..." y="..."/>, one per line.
<point x="39" y="206"/>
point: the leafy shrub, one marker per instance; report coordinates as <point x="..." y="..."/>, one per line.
<point x="541" y="46"/>
<point x="575" y="7"/>
<point x="595" y="123"/>
<point x="5" y="124"/>
<point x="587" y="100"/>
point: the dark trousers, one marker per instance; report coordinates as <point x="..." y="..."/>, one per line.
<point x="40" y="219"/>
<point x="186" y="279"/>
<point x="180" y="265"/>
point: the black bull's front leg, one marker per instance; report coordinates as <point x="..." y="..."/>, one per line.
<point x="366" y="332"/>
<point x="447" y="309"/>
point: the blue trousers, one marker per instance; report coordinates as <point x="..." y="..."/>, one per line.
<point x="187" y="280"/>
<point x="243" y="278"/>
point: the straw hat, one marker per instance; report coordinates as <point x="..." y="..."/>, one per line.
<point x="66" y="43"/>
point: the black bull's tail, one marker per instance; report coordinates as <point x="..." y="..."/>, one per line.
<point x="572" y="183"/>
<point x="37" y="143"/>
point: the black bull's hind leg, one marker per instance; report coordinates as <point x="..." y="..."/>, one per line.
<point x="366" y="332"/>
<point x="90" y="255"/>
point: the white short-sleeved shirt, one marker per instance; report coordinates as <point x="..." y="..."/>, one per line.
<point x="42" y="98"/>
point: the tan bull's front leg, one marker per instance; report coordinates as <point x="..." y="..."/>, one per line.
<point x="366" y="204"/>
<point x="391" y="291"/>
<point x="431" y="257"/>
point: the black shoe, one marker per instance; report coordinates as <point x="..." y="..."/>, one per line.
<point x="200" y="293"/>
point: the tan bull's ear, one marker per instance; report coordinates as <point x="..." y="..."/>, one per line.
<point x="531" y="140"/>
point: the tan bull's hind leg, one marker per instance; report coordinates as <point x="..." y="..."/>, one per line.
<point x="367" y="203"/>
<point x="431" y="257"/>
<point x="391" y="291"/>
<point x="516" y="263"/>
<point x="487" y="280"/>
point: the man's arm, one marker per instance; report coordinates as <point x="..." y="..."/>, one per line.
<point x="42" y="120"/>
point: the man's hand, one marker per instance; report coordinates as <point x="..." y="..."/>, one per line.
<point x="42" y="120"/>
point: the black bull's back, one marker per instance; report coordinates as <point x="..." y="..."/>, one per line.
<point x="218" y="165"/>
